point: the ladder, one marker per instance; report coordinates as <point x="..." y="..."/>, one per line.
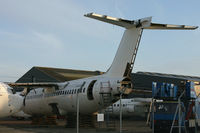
<point x="106" y="103"/>
<point x="150" y="111"/>
<point x="134" y="54"/>
<point x="179" y="112"/>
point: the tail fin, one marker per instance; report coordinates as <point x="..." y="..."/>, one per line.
<point x="125" y="57"/>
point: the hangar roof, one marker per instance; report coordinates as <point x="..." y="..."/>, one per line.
<point x="47" y="74"/>
<point x="184" y="77"/>
<point x="67" y="74"/>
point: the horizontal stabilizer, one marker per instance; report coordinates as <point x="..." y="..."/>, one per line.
<point x="171" y="26"/>
<point x="144" y="23"/>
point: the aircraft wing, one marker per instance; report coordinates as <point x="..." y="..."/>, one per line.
<point x="39" y="85"/>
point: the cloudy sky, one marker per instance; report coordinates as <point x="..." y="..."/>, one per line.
<point x="54" y="33"/>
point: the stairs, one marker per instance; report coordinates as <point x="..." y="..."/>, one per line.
<point x="106" y="103"/>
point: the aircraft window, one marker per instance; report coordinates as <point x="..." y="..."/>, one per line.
<point x="74" y="91"/>
<point x="123" y="105"/>
<point x="117" y="105"/>
<point x="80" y="90"/>
<point x="83" y="90"/>
<point x="114" y="105"/>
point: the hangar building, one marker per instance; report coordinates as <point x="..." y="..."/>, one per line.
<point x="140" y="80"/>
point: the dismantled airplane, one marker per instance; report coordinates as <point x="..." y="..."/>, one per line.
<point x="61" y="98"/>
<point x="137" y="107"/>
<point x="9" y="103"/>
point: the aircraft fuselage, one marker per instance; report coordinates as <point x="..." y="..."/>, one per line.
<point x="40" y="100"/>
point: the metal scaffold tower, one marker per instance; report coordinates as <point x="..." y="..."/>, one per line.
<point x="173" y="108"/>
<point x="106" y="103"/>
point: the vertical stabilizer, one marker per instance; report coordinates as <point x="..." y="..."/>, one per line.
<point x="125" y="57"/>
<point x="123" y="61"/>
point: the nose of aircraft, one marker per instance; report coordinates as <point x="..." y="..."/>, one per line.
<point x="9" y="103"/>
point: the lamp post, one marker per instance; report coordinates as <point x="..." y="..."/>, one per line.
<point x="77" y="112"/>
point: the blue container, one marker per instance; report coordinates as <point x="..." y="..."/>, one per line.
<point x="164" y="90"/>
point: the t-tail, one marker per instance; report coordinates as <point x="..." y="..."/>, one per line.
<point x="123" y="62"/>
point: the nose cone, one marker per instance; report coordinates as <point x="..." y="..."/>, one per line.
<point x="9" y="103"/>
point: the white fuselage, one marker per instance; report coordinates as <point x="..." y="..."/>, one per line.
<point x="9" y="103"/>
<point x="38" y="101"/>
<point x="132" y="107"/>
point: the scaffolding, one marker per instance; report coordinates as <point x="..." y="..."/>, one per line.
<point x="166" y="96"/>
<point x="106" y="104"/>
